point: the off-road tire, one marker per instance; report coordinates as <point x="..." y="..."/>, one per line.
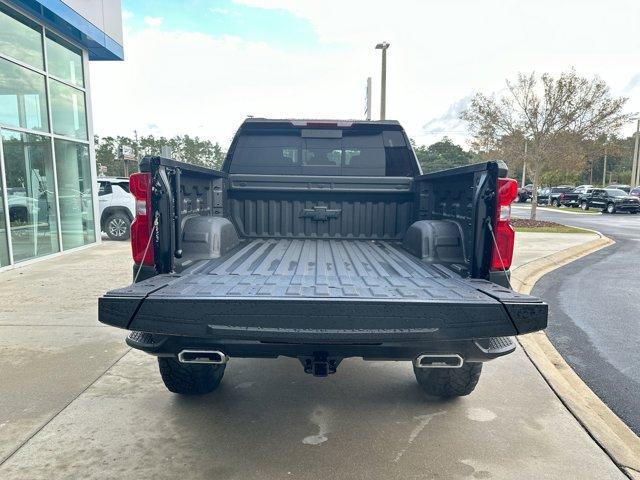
<point x="190" y="378"/>
<point x="449" y="382"/>
<point x="118" y="227"/>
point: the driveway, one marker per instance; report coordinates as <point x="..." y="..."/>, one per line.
<point x="68" y="415"/>
<point x="594" y="304"/>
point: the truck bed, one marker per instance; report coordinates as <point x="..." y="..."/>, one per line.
<point x="329" y="269"/>
<point x="310" y="290"/>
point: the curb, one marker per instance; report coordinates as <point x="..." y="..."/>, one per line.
<point x="604" y="426"/>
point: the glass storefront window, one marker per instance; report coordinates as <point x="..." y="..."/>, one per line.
<point x="64" y="62"/>
<point x="20" y="38"/>
<point x="68" y="111"/>
<point x="4" y="246"/>
<point x="30" y="193"/>
<point x="75" y="193"/>
<point x="23" y="101"/>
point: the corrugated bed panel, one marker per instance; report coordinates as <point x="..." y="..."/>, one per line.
<point x="371" y="219"/>
<point x="323" y="269"/>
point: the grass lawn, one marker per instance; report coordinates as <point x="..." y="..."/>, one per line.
<point x="558" y="229"/>
<point x="542" y="226"/>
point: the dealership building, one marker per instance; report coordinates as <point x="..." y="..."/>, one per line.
<point x="48" y="193"/>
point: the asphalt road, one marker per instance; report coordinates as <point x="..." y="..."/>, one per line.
<point x="594" y="305"/>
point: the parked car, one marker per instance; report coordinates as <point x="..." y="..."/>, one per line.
<point x="117" y="207"/>
<point x="525" y="193"/>
<point x="283" y="253"/>
<point x="610" y="200"/>
<point x="572" y="198"/>
<point x="551" y="195"/>
<point x="635" y="192"/>
<point x="624" y="188"/>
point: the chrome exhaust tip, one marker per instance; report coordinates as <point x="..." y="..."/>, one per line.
<point x="444" y="360"/>
<point x="211" y="357"/>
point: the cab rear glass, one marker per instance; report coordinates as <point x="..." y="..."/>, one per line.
<point x="308" y="153"/>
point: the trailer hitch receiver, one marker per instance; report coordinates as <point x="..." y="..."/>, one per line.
<point x="320" y="364"/>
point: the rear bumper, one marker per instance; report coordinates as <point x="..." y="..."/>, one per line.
<point x="351" y="326"/>
<point x="480" y="350"/>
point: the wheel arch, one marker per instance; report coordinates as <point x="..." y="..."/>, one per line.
<point x="109" y="211"/>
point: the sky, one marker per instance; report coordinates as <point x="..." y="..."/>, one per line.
<point x="199" y="67"/>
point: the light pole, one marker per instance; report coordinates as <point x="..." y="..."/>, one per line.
<point x="524" y="164"/>
<point x="383" y="80"/>
<point x="635" y="170"/>
<point x="604" y="168"/>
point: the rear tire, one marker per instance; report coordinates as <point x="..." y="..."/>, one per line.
<point x="449" y="382"/>
<point x="190" y="378"/>
<point x="555" y="203"/>
<point x="611" y="208"/>
<point x="584" y="206"/>
<point x="118" y="227"/>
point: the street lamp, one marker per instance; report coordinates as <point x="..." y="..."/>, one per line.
<point x="383" y="81"/>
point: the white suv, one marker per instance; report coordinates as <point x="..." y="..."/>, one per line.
<point x="117" y="207"/>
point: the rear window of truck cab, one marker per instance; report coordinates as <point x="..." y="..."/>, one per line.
<point x="331" y="152"/>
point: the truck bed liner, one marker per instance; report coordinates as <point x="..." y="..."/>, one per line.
<point x="285" y="268"/>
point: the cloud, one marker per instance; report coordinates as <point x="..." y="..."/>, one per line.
<point x="447" y="124"/>
<point x="205" y="84"/>
<point x="633" y="83"/>
<point x="153" y="21"/>
<point x="187" y="82"/>
<point x="219" y="11"/>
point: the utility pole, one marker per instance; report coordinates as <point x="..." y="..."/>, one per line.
<point x="367" y="111"/>
<point x="524" y="165"/>
<point x="383" y="80"/>
<point x="635" y="167"/>
<point x="604" y="169"/>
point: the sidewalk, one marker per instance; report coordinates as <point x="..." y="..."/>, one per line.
<point x="269" y="420"/>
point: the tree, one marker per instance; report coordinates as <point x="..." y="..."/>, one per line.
<point x="183" y="147"/>
<point x="107" y="155"/>
<point x="551" y="114"/>
<point x="442" y="155"/>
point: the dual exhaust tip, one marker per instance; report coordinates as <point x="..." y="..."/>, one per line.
<point x="216" y="357"/>
<point x="209" y="357"/>
<point x="444" y="360"/>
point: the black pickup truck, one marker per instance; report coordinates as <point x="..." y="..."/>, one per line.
<point x="609" y="200"/>
<point x="572" y="198"/>
<point x="322" y="240"/>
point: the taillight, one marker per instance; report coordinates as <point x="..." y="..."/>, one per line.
<point x="140" y="187"/>
<point x="505" y="236"/>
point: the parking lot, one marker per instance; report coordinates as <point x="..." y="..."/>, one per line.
<point x="593" y="304"/>
<point x="78" y="403"/>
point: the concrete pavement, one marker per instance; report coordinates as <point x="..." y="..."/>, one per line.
<point x="269" y="419"/>
<point x="51" y="345"/>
